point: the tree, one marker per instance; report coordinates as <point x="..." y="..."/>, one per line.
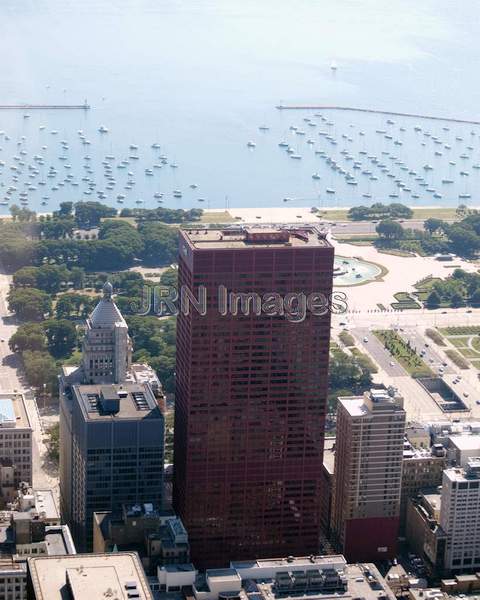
<point x="433" y="299"/>
<point x="475" y="298"/>
<point x="53" y="442"/>
<point x="29" y="336"/>
<point x="40" y="369"/>
<point x="348" y="374"/>
<point x="55" y="229"/>
<point x="89" y="214"/>
<point x="77" y="277"/>
<point x="25" y="277"/>
<point x="400" y="211"/>
<point x="169" y="277"/>
<point x="61" y="336"/>
<point x="160" y="243"/>
<point x="433" y="225"/>
<point x="29" y="304"/>
<point x="51" y="278"/>
<point x="464" y="240"/>
<point x="16" y="250"/>
<point x="390" y="230"/>
<point x="74" y="305"/>
<point x="65" y="209"/>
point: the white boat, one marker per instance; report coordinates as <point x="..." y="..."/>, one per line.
<point x="251" y="144"/>
<point x="194" y="186"/>
<point x="296" y="156"/>
<point x="264" y="128"/>
<point x="464" y="196"/>
<point x="333" y="66"/>
<point x="447" y="180"/>
<point x="330" y="191"/>
<point x="316" y="176"/>
<point x="283" y="144"/>
<point x="156" y="146"/>
<point x="133" y="147"/>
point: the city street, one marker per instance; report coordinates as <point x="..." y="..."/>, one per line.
<point x="44" y="474"/>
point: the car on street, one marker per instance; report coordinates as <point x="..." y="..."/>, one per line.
<point x="365" y="339"/>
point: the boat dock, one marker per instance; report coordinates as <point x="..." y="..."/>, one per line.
<point x="83" y="106"/>
<point x="378" y="112"/>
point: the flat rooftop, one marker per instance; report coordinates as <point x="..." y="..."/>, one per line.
<point x="13" y="413"/>
<point x="250" y="236"/>
<point x="289" y="563"/>
<point x="117" y="401"/>
<point x="363" y="581"/>
<point x="89" y="576"/>
<point x="45" y="502"/>
<point x="466" y="442"/>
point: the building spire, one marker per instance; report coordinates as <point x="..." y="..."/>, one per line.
<point x="107" y="290"/>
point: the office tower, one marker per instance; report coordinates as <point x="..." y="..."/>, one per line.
<point x="111" y="434"/>
<point x="459" y="510"/>
<point x="251" y="392"/>
<point x="368" y="472"/>
<point x="107" y="349"/>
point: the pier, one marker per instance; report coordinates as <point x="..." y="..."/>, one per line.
<point x="377" y="112"/>
<point x="83" y="106"/>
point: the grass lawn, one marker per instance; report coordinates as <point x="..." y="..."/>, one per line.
<point x="437" y="213"/>
<point x="435" y="336"/>
<point x="427" y="283"/>
<point x="455" y="357"/>
<point x="418" y="213"/>
<point x="365" y="359"/>
<point x="217" y="217"/>
<point x="347" y="339"/>
<point x="396" y="252"/>
<point x="403" y="353"/>
<point x="467" y="330"/>
<point x="404" y="301"/>
<point x="459" y="342"/>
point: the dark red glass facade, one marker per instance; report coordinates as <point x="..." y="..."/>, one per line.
<point x="250" y="406"/>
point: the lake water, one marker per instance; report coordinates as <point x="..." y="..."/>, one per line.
<point x="199" y="77"/>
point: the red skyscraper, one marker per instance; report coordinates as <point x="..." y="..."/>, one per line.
<point x="251" y="392"/>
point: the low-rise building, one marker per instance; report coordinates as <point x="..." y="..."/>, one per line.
<point x="88" y="577"/>
<point x="418" y="435"/>
<point x="30" y="527"/>
<point x="158" y="536"/>
<point x="15" y="437"/>
<point x="312" y="577"/>
<point x="423" y="532"/>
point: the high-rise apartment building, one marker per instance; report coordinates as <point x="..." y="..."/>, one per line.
<point x="111" y="434"/>
<point x="459" y="517"/>
<point x="251" y="390"/>
<point x="368" y="472"/>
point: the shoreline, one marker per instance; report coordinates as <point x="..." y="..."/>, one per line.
<point x="289" y="214"/>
